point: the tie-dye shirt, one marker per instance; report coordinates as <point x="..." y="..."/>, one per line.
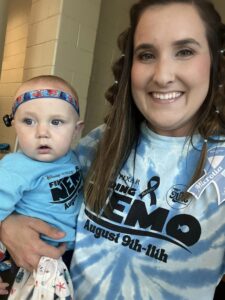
<point x="155" y="244"/>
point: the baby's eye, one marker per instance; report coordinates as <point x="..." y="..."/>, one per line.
<point x="28" y="121"/>
<point x="57" y="122"/>
<point x="185" y="53"/>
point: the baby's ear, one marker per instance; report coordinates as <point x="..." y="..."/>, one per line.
<point x="79" y="127"/>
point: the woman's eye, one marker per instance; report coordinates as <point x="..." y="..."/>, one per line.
<point x="146" y="56"/>
<point x="57" y="122"/>
<point x="185" y="53"/>
<point x="28" y="121"/>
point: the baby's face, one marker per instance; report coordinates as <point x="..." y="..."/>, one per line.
<point x="45" y="128"/>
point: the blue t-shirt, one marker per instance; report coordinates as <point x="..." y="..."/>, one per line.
<point x="154" y="244"/>
<point x="50" y="191"/>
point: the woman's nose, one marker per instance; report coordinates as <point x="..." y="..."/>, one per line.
<point x="163" y="72"/>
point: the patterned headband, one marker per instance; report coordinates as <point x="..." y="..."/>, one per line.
<point x="45" y="93"/>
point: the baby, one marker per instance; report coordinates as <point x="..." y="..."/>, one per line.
<point x="43" y="179"/>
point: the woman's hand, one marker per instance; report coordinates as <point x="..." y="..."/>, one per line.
<point x="21" y="236"/>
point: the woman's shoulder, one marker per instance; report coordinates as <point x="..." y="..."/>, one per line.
<point x="90" y="141"/>
<point x="87" y="146"/>
<point x="93" y="136"/>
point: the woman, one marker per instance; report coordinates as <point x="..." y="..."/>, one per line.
<point x="153" y="223"/>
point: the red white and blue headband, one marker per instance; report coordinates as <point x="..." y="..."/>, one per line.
<point x="38" y="94"/>
<point x="45" y="93"/>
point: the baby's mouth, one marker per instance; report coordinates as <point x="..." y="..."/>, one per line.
<point x="44" y="149"/>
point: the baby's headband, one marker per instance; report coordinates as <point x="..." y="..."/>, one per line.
<point x="37" y="94"/>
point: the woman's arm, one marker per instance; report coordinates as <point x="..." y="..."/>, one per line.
<point x="21" y="236"/>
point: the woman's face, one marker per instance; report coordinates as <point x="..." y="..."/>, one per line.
<point x="171" y="67"/>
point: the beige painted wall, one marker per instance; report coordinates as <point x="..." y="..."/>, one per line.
<point x="113" y="19"/>
<point x="220" y="5"/>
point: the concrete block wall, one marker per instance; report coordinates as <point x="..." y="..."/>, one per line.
<point x="3" y="22"/>
<point x="76" y="44"/>
<point x="13" y="60"/>
<point x="42" y="37"/>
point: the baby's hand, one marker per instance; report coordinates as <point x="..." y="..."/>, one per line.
<point x="3" y="287"/>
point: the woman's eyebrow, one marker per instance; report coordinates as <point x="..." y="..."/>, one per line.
<point x="183" y="42"/>
<point x="187" y="41"/>
<point x="144" y="46"/>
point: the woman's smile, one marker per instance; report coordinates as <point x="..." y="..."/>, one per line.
<point x="165" y="97"/>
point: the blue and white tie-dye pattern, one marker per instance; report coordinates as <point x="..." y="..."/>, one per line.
<point x="153" y="245"/>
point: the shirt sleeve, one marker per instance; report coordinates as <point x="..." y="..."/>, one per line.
<point x="11" y="190"/>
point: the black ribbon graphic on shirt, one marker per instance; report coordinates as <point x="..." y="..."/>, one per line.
<point x="151" y="187"/>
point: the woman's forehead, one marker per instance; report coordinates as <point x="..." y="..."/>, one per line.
<point x="175" y="20"/>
